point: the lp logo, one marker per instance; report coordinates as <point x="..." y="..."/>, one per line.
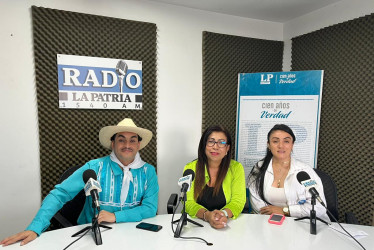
<point x="267" y="79"/>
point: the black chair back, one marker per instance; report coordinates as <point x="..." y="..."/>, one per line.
<point x="68" y="215"/>
<point x="172" y="202"/>
<point x="330" y="192"/>
<point x="247" y="206"/>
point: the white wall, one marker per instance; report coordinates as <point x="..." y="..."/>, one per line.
<point x="19" y="159"/>
<point x="179" y="91"/>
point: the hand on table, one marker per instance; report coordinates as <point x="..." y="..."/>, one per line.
<point x="105" y="216"/>
<point x="217" y="219"/>
<point x="271" y="209"/>
<point x="25" y="237"/>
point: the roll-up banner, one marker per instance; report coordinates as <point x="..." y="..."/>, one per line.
<point x="265" y="99"/>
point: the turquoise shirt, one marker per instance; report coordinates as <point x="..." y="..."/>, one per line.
<point x="141" y="201"/>
<point x="233" y="188"/>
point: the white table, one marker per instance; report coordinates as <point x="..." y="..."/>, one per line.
<point x="247" y="232"/>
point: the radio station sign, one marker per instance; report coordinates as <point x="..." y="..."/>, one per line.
<point x="99" y="83"/>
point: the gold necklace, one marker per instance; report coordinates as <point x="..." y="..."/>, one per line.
<point x="280" y="170"/>
<point x="279" y="183"/>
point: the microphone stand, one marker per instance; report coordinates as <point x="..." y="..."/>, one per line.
<point x="95" y="227"/>
<point x="313" y="218"/>
<point x="183" y="220"/>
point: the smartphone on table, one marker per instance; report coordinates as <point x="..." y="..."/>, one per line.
<point x="276" y="219"/>
<point x="149" y="226"/>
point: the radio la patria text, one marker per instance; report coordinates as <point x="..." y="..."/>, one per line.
<point x="101" y="97"/>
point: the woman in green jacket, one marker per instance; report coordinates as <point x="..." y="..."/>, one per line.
<point x="218" y="190"/>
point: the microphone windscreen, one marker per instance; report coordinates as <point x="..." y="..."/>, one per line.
<point x="302" y="176"/>
<point x="89" y="173"/>
<point x="189" y="172"/>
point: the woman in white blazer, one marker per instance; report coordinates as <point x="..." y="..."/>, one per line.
<point x="273" y="185"/>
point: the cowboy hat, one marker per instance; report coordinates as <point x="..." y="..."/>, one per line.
<point x="126" y="125"/>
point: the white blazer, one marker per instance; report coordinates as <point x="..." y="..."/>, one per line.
<point x="298" y="198"/>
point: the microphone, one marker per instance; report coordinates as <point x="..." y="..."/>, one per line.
<point x="121" y="70"/>
<point x="305" y="180"/>
<point x="92" y="187"/>
<point x="185" y="181"/>
<point x="185" y="184"/>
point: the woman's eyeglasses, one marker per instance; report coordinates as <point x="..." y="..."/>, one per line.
<point x="220" y="144"/>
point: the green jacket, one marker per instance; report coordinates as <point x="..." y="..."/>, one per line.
<point x="233" y="188"/>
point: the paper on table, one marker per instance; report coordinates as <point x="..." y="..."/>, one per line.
<point x="357" y="234"/>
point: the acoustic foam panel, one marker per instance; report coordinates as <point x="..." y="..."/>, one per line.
<point x="224" y="57"/>
<point x="346" y="141"/>
<point x="69" y="137"/>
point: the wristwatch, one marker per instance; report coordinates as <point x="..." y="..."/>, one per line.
<point x="225" y="212"/>
<point x="286" y="211"/>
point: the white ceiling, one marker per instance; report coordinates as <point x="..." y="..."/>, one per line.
<point x="269" y="10"/>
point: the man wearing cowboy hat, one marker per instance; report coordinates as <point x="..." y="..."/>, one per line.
<point x="129" y="185"/>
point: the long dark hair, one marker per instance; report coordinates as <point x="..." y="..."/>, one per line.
<point x="202" y="161"/>
<point x="259" y="171"/>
